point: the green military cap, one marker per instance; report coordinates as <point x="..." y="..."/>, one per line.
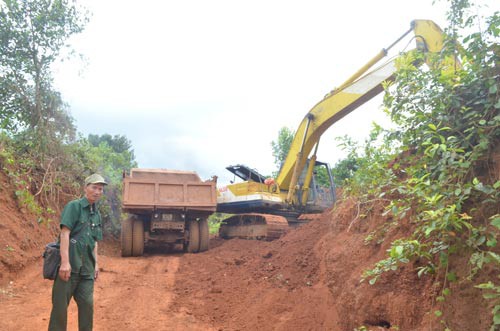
<point x="95" y="179"/>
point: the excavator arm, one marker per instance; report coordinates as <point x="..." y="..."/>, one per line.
<point x="357" y="90"/>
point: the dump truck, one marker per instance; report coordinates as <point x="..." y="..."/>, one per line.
<point x="166" y="207"/>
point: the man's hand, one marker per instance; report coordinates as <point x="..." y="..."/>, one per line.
<point x="96" y="272"/>
<point x="65" y="271"/>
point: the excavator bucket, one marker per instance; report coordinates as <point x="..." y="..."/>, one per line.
<point x="254" y="226"/>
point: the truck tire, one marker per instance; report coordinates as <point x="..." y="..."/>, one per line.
<point x="204" y="235"/>
<point x="193" y="245"/>
<point x="126" y="237"/>
<point x="138" y="238"/>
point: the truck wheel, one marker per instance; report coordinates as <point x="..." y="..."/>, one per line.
<point x="126" y="237"/>
<point x="138" y="238"/>
<point x="193" y="245"/>
<point x="204" y="235"/>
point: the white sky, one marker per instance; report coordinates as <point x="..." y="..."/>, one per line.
<point x="199" y="85"/>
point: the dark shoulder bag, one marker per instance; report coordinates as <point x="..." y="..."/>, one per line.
<point x="51" y="260"/>
<point x="52" y="257"/>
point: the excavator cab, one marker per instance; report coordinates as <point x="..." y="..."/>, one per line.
<point x="320" y="191"/>
<point x="246" y="173"/>
<point x="256" y="193"/>
<point x="259" y="205"/>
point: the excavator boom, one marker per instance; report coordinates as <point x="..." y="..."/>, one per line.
<point x="357" y="90"/>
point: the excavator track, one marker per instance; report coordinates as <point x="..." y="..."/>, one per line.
<point x="254" y="226"/>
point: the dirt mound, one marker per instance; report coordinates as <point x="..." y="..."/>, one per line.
<point x="310" y="280"/>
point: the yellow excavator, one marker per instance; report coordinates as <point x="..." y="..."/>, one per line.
<point x="262" y="207"/>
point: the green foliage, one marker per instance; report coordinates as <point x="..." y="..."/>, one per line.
<point x="215" y="220"/>
<point x="280" y="152"/>
<point x="109" y="156"/>
<point x="14" y="167"/>
<point x="32" y="35"/>
<point x="400" y="252"/>
<point x="119" y="144"/>
<point x="38" y="145"/>
<point x="436" y="166"/>
<point x="492" y="292"/>
<point x="367" y="176"/>
<point x="321" y="176"/>
<point x="64" y="177"/>
<point x="281" y="147"/>
<point x="34" y="123"/>
<point x="345" y="168"/>
<point x="43" y="191"/>
<point x="27" y="200"/>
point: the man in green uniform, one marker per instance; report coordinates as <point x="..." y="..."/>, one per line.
<point x="80" y="230"/>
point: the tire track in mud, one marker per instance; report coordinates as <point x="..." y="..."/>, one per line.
<point x="137" y="294"/>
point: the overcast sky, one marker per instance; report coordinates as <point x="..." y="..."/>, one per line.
<point x="199" y="85"/>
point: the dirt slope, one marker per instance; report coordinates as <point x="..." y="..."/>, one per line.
<point x="21" y="237"/>
<point x="307" y="280"/>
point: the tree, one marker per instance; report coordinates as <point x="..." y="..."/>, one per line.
<point x="280" y="152"/>
<point x="32" y="36"/>
<point x="50" y="164"/>
<point x="345" y="168"/>
<point x="281" y="147"/>
<point x="118" y="143"/>
<point x="33" y="116"/>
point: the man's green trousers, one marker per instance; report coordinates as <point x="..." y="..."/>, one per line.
<point x="82" y="289"/>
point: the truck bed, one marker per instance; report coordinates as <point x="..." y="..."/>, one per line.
<point x="158" y="189"/>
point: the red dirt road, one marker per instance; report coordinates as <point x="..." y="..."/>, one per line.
<point x="131" y="294"/>
<point x="307" y="280"/>
<point x="174" y="291"/>
<point x="155" y="292"/>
